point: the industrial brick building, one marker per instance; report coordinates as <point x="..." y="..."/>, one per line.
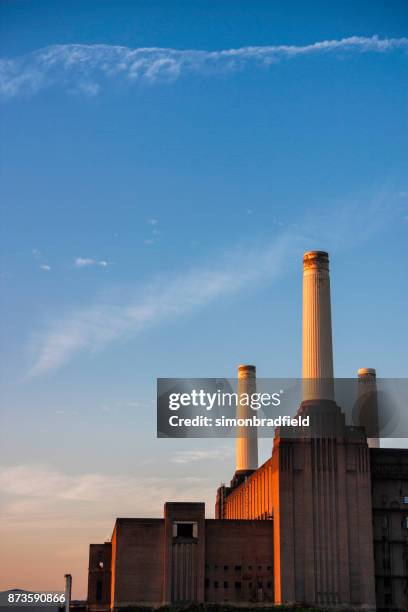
<point x="183" y="557"/>
<point x="324" y="521"/>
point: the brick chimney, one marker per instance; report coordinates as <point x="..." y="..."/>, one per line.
<point x="368" y="404"/>
<point x="317" y="357"/>
<point x="247" y="440"/>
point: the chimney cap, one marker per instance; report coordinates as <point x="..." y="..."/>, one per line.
<point x="322" y="255"/>
<point x="316" y="260"/>
<point x="366" y="372"/>
<point x="246" y="368"/>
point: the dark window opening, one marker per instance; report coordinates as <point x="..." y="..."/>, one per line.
<point x="215" y="584"/>
<point x="225" y="584"/>
<point x="249" y="567"/>
<point x="269" y="585"/>
<point x="207" y="583"/>
<point x="225" y="567"/>
<point x="238" y="585"/>
<point x="237" y="568"/>
<point x="99" y="590"/>
<point x="184" y="530"/>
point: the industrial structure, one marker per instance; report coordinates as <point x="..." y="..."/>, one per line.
<point x="323" y="522"/>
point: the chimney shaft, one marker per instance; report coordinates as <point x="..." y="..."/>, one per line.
<point x="247" y="441"/>
<point x="368" y="404"/>
<point x="317" y="358"/>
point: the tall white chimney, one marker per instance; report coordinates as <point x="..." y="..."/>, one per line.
<point x="317" y="357"/>
<point x="247" y="439"/>
<point x="368" y="404"/>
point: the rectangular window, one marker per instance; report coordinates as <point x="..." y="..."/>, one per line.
<point x="184" y="530"/>
<point x="238" y="585"/>
<point x="225" y="584"/>
<point x="406" y="500"/>
<point x="215" y="584"/>
<point x="99" y="590"/>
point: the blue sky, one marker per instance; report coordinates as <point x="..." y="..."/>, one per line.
<point x="158" y="193"/>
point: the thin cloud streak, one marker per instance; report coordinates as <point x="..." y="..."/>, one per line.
<point x="84" y="262"/>
<point x="92" y="328"/>
<point x="84" y="68"/>
<point x="194" y="455"/>
<point x="39" y="495"/>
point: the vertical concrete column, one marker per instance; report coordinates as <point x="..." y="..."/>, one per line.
<point x="368" y="405"/>
<point x="68" y="590"/>
<point x="247" y="440"/>
<point x="317" y="349"/>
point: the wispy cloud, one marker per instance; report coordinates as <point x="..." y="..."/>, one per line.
<point x="38" y="256"/>
<point x="154" y="231"/>
<point x="104" y="321"/>
<point x="346" y="225"/>
<point x="38" y="494"/>
<point x="59" y="513"/>
<point x="189" y="456"/>
<point x="86" y="67"/>
<point x="84" y="262"/>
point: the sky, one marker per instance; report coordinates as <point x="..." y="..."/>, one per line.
<point x="164" y="165"/>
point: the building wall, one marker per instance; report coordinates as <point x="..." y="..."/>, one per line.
<point x="251" y="500"/>
<point x="138" y="556"/>
<point x="318" y="492"/>
<point x="238" y="561"/>
<point x="389" y="469"/>
<point x="184" y="557"/>
<point x="99" y="575"/>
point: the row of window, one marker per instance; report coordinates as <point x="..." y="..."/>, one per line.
<point x="238" y="568"/>
<point x="385" y="522"/>
<point x="237" y="584"/>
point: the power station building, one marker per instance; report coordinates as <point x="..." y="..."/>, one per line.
<point x="323" y="522"/>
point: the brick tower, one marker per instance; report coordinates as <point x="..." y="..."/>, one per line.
<point x="323" y="541"/>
